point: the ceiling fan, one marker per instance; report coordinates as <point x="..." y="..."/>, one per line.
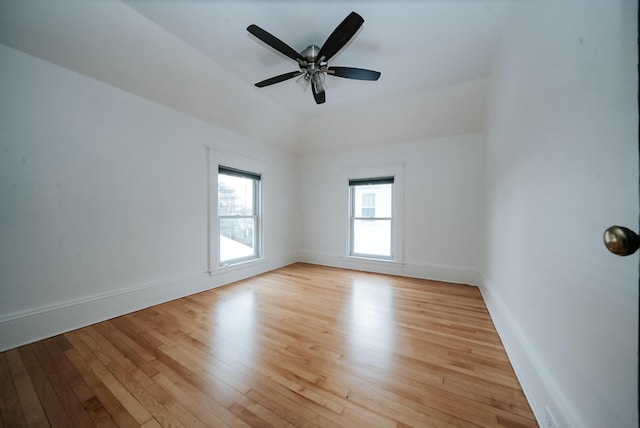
<point x="313" y="61"/>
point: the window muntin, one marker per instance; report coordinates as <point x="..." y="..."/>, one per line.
<point x="238" y="215"/>
<point x="371" y="218"/>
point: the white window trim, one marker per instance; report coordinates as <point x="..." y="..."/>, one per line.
<point x="215" y="159"/>
<point x="397" y="235"/>
<point x="257" y="216"/>
<point x="353" y="218"/>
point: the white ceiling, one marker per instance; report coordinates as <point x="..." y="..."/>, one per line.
<point x="196" y="56"/>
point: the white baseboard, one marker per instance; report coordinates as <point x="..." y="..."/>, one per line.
<point x="539" y="387"/>
<point x="455" y="274"/>
<point x="30" y="325"/>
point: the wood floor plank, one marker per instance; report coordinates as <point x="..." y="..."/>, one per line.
<point x="264" y="413"/>
<point x="289" y="405"/>
<point x="207" y="410"/>
<point x="11" y="412"/>
<point x="61" y="378"/>
<point x="54" y="410"/>
<point x="128" y="401"/>
<point x="151" y="423"/>
<point x="31" y="407"/>
<point x="301" y="346"/>
<point x="158" y="400"/>
<point x="105" y="400"/>
<point x="129" y="349"/>
<point x="248" y="416"/>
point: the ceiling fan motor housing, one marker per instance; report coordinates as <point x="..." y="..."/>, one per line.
<point x="311" y="65"/>
<point x="310" y="53"/>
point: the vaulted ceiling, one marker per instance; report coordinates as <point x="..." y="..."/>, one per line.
<point x="196" y="57"/>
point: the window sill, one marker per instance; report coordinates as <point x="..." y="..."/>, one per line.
<point x="238" y="265"/>
<point x="366" y="260"/>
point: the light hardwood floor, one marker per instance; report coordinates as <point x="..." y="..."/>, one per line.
<point x="302" y="346"/>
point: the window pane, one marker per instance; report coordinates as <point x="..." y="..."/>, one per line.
<point x="372" y="237"/>
<point x="237" y="238"/>
<point x="375" y="196"/>
<point x="235" y="195"/>
<point x="368" y="212"/>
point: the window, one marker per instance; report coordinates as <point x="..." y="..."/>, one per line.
<point x="238" y="215"/>
<point x="371" y="218"/>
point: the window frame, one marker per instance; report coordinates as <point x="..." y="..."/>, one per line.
<point x="256" y="216"/>
<point x="353" y="218"/>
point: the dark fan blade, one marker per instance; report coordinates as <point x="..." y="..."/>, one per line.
<point x="353" y="73"/>
<point x="317" y="87"/>
<point x="340" y="36"/>
<point x="320" y="97"/>
<point x="274" y="42"/>
<point x="278" y="79"/>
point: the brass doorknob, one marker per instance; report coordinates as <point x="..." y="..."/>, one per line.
<point x="621" y="240"/>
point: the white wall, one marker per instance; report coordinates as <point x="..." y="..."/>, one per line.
<point x="442" y="212"/>
<point x="561" y="166"/>
<point x="103" y="201"/>
<point x="419" y="116"/>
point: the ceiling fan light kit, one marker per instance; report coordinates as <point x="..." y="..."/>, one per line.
<point x="314" y="61"/>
